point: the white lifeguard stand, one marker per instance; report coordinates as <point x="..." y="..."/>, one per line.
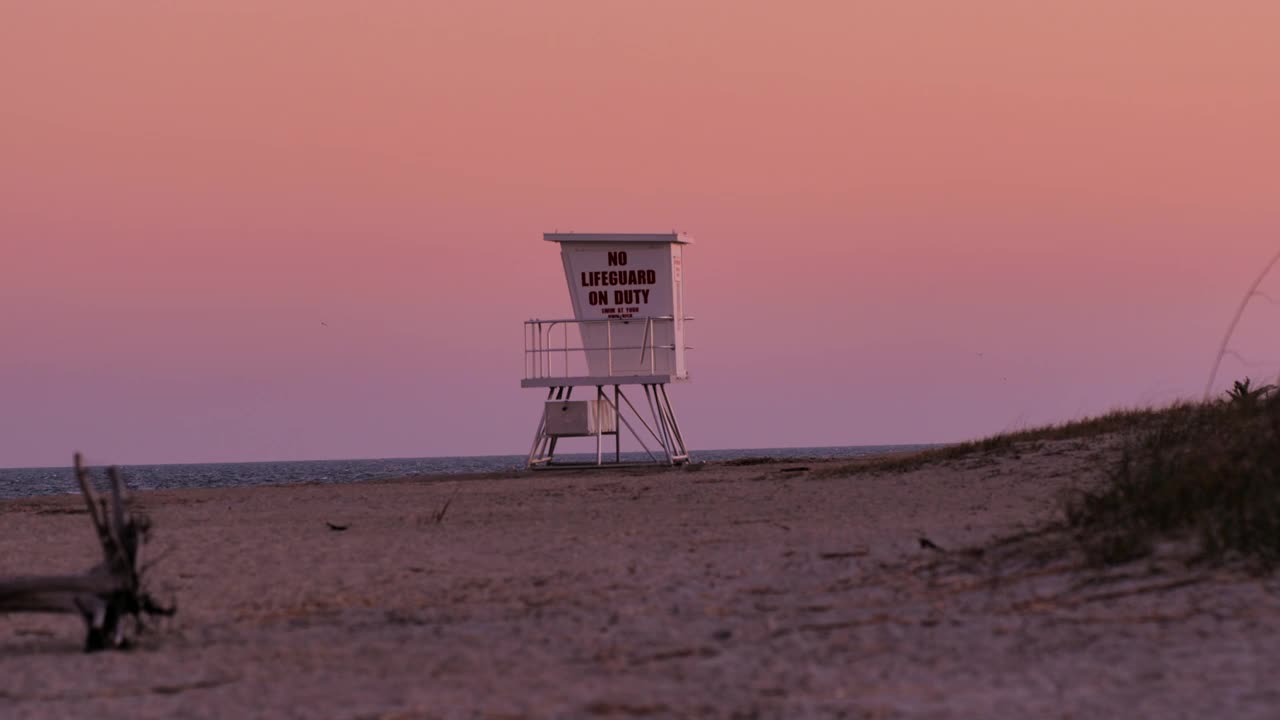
<point x="628" y="329"/>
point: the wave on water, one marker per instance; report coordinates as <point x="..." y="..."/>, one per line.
<point x="28" y="482"/>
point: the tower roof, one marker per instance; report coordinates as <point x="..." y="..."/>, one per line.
<point x="667" y="237"/>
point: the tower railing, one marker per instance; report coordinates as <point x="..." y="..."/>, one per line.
<point x="612" y="348"/>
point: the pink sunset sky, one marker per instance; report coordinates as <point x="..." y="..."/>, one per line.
<point x="915" y="221"/>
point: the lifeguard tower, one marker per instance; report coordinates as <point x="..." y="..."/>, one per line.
<point x="628" y="329"/>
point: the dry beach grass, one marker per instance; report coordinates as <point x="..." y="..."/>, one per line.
<point x="747" y="590"/>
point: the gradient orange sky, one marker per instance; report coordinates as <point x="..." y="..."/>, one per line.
<point x="916" y="221"/>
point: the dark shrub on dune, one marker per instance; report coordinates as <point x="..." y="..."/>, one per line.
<point x="1206" y="472"/>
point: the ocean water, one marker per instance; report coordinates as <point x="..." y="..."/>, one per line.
<point x="27" y="482"/>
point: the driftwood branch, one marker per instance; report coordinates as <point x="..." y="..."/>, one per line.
<point x="107" y="593"/>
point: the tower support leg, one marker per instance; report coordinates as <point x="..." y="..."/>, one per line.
<point x="679" y="453"/>
<point x="544" y="445"/>
<point x="599" y="428"/>
<point x="665" y="430"/>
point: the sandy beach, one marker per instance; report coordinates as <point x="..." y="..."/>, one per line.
<point x="789" y="589"/>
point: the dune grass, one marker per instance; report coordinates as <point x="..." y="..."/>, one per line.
<point x="1208" y="472"/>
<point x="1205" y="472"/>
<point x="1116" y="421"/>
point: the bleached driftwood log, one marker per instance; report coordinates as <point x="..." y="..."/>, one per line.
<point x="107" y="593"/>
